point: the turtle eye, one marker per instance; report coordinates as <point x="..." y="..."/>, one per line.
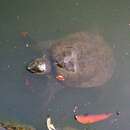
<point x="59" y="65"/>
<point x="31" y="66"/>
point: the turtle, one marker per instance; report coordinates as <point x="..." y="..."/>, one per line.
<point x="84" y="59"/>
<point x="78" y="60"/>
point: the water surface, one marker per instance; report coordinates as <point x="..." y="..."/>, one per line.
<point x="22" y="94"/>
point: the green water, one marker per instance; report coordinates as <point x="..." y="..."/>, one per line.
<point x="22" y="94"/>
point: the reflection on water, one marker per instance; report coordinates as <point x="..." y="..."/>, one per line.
<point x="22" y="94"/>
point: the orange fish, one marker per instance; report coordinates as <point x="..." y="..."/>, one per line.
<point x="60" y="77"/>
<point x="90" y="119"/>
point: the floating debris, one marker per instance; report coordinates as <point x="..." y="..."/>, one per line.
<point x="49" y="124"/>
<point x="24" y="34"/>
<point x="14" y="126"/>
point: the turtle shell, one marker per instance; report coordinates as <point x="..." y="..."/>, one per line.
<point x="84" y="59"/>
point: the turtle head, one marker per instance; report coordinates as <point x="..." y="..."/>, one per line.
<point x="40" y="66"/>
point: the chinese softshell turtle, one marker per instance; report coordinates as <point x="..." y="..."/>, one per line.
<point x="83" y="59"/>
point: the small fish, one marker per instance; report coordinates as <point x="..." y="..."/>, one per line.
<point x="90" y="119"/>
<point x="60" y="77"/>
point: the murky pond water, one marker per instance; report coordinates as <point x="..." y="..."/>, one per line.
<point x="23" y="94"/>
